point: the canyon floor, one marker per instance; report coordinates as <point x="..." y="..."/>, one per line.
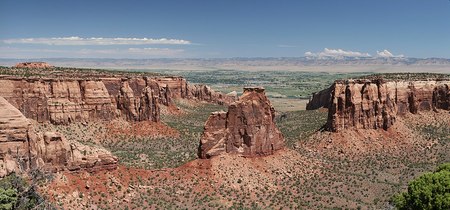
<point x="317" y="170"/>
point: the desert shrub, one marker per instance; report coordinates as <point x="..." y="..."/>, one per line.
<point x="429" y="191"/>
<point x="8" y="198"/>
<point x="18" y="193"/>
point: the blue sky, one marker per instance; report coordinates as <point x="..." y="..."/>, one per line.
<point x="231" y="28"/>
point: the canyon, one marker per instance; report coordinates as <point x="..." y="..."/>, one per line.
<point x="376" y="103"/>
<point x="49" y="95"/>
<point x="110" y="139"/>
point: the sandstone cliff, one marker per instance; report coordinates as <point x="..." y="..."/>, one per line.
<point x="62" y="101"/>
<point x="23" y="149"/>
<point x="66" y="100"/>
<point x="179" y="88"/>
<point x="248" y="128"/>
<point x="205" y="93"/>
<point x="320" y="99"/>
<point x="376" y="103"/>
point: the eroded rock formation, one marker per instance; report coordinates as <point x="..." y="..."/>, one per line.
<point x="66" y="100"/>
<point x="248" y="128"/>
<point x="15" y="137"/>
<point x="23" y="149"/>
<point x="205" y="93"/>
<point x="320" y="99"/>
<point x="33" y="65"/>
<point x="178" y="88"/>
<point x="373" y="104"/>
<point x="62" y="101"/>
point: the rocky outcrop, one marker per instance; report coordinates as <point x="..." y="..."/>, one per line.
<point x="205" y="93"/>
<point x="57" y="153"/>
<point x="17" y="151"/>
<point x="178" y="88"/>
<point x="66" y="100"/>
<point x="34" y="65"/>
<point x="23" y="149"/>
<point x="320" y="99"/>
<point x="248" y="128"/>
<point x="374" y="104"/>
<point x="62" y="101"/>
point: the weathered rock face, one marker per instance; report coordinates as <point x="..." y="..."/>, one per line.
<point x="66" y="100"/>
<point x="205" y="93"/>
<point x="22" y="149"/>
<point x="178" y="88"/>
<point x="62" y="101"/>
<point x="33" y="65"/>
<point x="248" y="128"/>
<point x="15" y="138"/>
<point x="373" y="104"/>
<point x="320" y="99"/>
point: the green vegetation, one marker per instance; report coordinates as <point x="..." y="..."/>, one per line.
<point x="294" y="129"/>
<point x="278" y="84"/>
<point x="437" y="131"/>
<point x="408" y="76"/>
<point x="18" y="193"/>
<point x="429" y="191"/>
<point x="166" y="152"/>
<point x="8" y="198"/>
<point x="69" y="72"/>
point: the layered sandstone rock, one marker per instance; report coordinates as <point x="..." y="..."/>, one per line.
<point x="66" y="100"/>
<point x="320" y="99"/>
<point x="205" y="93"/>
<point x="57" y="153"/>
<point x="373" y="104"/>
<point x="16" y="140"/>
<point x="62" y="101"/>
<point x="23" y="149"/>
<point x="33" y="65"/>
<point x="178" y="88"/>
<point x="248" y="128"/>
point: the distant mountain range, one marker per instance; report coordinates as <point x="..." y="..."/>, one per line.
<point x="376" y="64"/>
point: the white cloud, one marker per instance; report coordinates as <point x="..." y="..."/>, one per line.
<point x="75" y="40"/>
<point x="386" y="54"/>
<point x="9" y="52"/>
<point x="336" y="53"/>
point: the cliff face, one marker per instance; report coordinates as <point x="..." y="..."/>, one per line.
<point x="22" y="149"/>
<point x="66" y="100"/>
<point x="62" y="101"/>
<point x="15" y="137"/>
<point x="320" y="99"/>
<point x="205" y="93"/>
<point x="373" y="104"/>
<point x="179" y="88"/>
<point x="248" y="128"/>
